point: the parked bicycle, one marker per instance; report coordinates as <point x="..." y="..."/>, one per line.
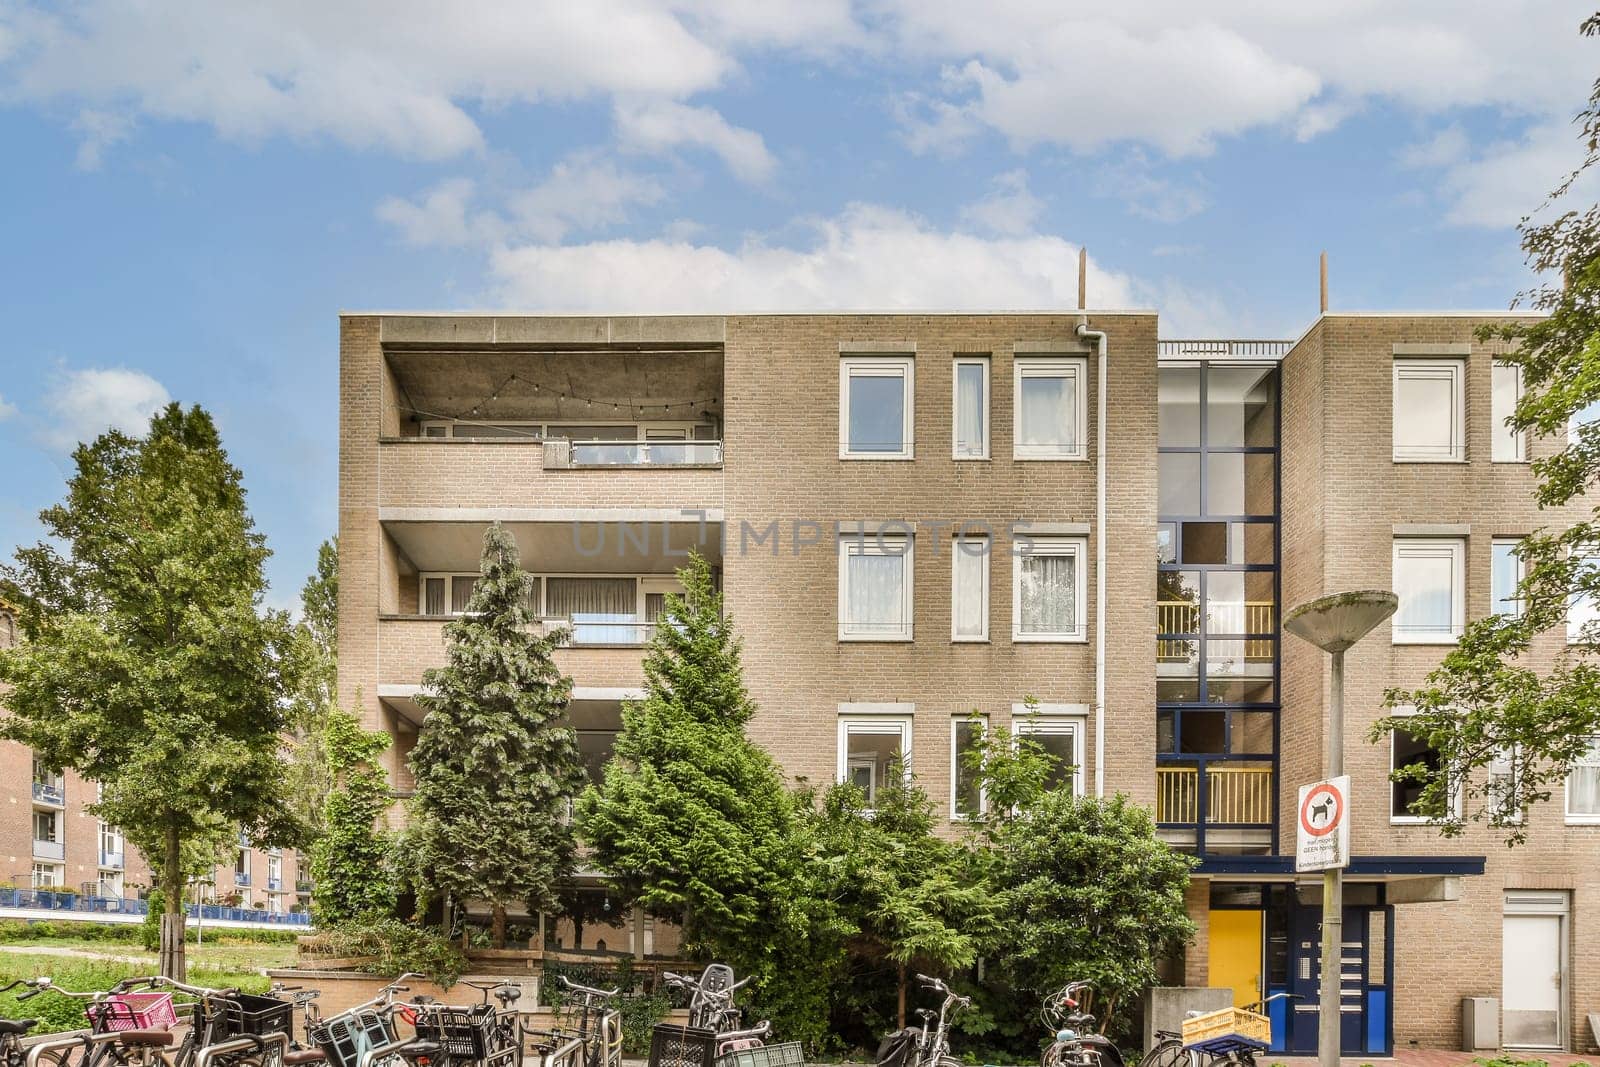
<point x="366" y="1035"/>
<point x="1075" y="1043"/>
<point x="12" y="1031"/>
<point x="711" y="997"/>
<point x="596" y="1040"/>
<point x="1170" y="1051"/>
<point x="927" y="1045"/>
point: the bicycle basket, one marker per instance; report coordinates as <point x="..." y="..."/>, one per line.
<point x="344" y="1038"/>
<point x="682" y="1046"/>
<point x="899" y="1049"/>
<point x="788" y="1054"/>
<point x="246" y="1014"/>
<point x="464" y="1032"/>
<point x="132" y="1011"/>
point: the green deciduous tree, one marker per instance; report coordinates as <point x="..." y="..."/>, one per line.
<point x="1083" y="889"/>
<point x="352" y="858"/>
<point x="314" y="700"/>
<point x="496" y="763"/>
<point x="1491" y="702"/>
<point x="149" y="665"/>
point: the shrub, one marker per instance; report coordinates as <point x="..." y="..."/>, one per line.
<point x="398" y="947"/>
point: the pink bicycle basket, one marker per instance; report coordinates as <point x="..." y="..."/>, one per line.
<point x="133" y="1011"/>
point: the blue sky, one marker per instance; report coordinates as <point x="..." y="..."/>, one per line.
<point x="193" y="191"/>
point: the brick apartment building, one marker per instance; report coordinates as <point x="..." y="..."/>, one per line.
<point x="50" y="842"/>
<point x="921" y="517"/>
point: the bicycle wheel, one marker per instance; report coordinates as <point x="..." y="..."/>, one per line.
<point x="1168" y="1053"/>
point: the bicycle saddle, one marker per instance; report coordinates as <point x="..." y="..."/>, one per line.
<point x="146" y="1038"/>
<point x="17" y="1026"/>
<point x="508" y="994"/>
<point x="926" y="1013"/>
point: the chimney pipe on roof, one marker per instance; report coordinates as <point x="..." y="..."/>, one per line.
<point x="1324" y="282"/>
<point x="1083" y="278"/>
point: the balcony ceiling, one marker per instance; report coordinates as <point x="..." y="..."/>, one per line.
<point x="561" y="547"/>
<point x="501" y="384"/>
<point x="584" y="712"/>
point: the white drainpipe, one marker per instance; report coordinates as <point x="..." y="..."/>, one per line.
<point x="1099" y="337"/>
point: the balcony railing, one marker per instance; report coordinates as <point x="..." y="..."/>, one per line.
<point x="559" y="453"/>
<point x="1180" y="617"/>
<point x="304" y="886"/>
<point x="113" y="860"/>
<point x="608" y="630"/>
<point x="61" y="900"/>
<point x="241" y="878"/>
<point x="49" y="850"/>
<point x="1234" y="795"/>
<point x="1223" y="349"/>
<point x="52" y="792"/>
<point x="274" y="884"/>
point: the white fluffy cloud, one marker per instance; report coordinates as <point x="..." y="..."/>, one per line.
<point x="1495" y="185"/>
<point x="869" y="257"/>
<point x="83" y="404"/>
<point x="662" y="125"/>
<point x="7" y="409"/>
<point x="1010" y="208"/>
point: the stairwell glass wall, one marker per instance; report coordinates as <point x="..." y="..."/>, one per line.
<point x="1217" y="607"/>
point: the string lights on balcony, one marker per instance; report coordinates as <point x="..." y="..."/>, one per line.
<point x="590" y="402"/>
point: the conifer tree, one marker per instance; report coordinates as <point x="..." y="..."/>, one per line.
<point x="496" y="763"/>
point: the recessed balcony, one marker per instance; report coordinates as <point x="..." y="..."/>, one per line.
<point x="49" y="850"/>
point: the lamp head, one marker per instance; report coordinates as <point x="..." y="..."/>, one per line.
<point x="1335" y="622"/>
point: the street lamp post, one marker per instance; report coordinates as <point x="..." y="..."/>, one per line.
<point x="1333" y="623"/>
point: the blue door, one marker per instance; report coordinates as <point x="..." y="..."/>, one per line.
<point x="1305" y="976"/>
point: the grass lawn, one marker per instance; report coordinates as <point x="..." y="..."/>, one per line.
<point x="96" y="965"/>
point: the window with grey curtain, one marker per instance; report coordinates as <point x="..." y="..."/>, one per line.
<point x="969" y="610"/>
<point x="1049" y="589"/>
<point x="461" y="592"/>
<point x="433" y="596"/>
<point x="972" y="409"/>
<point x="1583" y="787"/>
<point x="875" y="597"/>
<point x="602" y="610"/>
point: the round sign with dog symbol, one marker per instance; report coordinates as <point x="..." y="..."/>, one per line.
<point x="1322" y="840"/>
<point x="1320" y="809"/>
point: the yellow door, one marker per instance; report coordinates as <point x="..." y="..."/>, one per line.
<point x="1236" y="955"/>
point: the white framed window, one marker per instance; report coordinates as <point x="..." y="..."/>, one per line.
<point x="48" y="876"/>
<point x="968" y="799"/>
<point x="1583" y="787"/>
<point x="870" y="747"/>
<point x="1049" y="589"/>
<point x="445" y="594"/>
<point x="875" y="580"/>
<point x="1052" y="408"/>
<point x="110" y="884"/>
<point x="1059" y="730"/>
<point x="1505" y="574"/>
<point x="875" y="407"/>
<point x="241" y="867"/>
<point x="1582" y="417"/>
<point x="969" y="588"/>
<point x="1408" y="750"/>
<point x="1429" y="579"/>
<point x="1429" y="411"/>
<point x="47" y="827"/>
<point x="1583" y="614"/>
<point x="970" y="414"/>
<point x="1505" y="444"/>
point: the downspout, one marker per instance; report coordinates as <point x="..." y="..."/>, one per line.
<point x="1099" y="338"/>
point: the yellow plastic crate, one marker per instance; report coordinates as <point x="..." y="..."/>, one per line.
<point x="1228" y="1025"/>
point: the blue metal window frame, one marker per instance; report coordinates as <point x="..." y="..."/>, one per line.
<point x="1203" y="761"/>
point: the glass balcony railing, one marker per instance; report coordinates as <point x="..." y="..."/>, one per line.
<point x="303" y="886"/>
<point x="1183" y="617"/>
<point x="49" y="850"/>
<point x="274" y="884"/>
<point x="603" y="629"/>
<point x="51" y="791"/>
<point x="111" y="859"/>
<point x="241" y="878"/>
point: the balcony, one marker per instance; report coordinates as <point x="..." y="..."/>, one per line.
<point x="274" y="885"/>
<point x="49" y="850"/>
<point x="562" y="454"/>
<point x="304" y="886"/>
<point x="241" y="878"/>
<point x="603" y="653"/>
<point x="1183" y="617"/>
<point x="111" y="860"/>
<point x="1220" y="808"/>
<point x="50" y="792"/>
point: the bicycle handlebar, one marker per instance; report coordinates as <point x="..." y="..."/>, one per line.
<point x="588" y="990"/>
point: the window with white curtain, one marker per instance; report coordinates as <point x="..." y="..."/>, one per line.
<point x="601" y="611"/>
<point x="1429" y="410"/>
<point x="1506" y="444"/>
<point x="1505" y="574"/>
<point x="969" y="589"/>
<point x="461" y="587"/>
<point x="1051" y="408"/>
<point x="971" y="408"/>
<point x="875" y="407"/>
<point x="875" y="588"/>
<point x="1048" y="590"/>
<point x="1504" y="777"/>
<point x="1429" y="580"/>
<point x="1583" y="786"/>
